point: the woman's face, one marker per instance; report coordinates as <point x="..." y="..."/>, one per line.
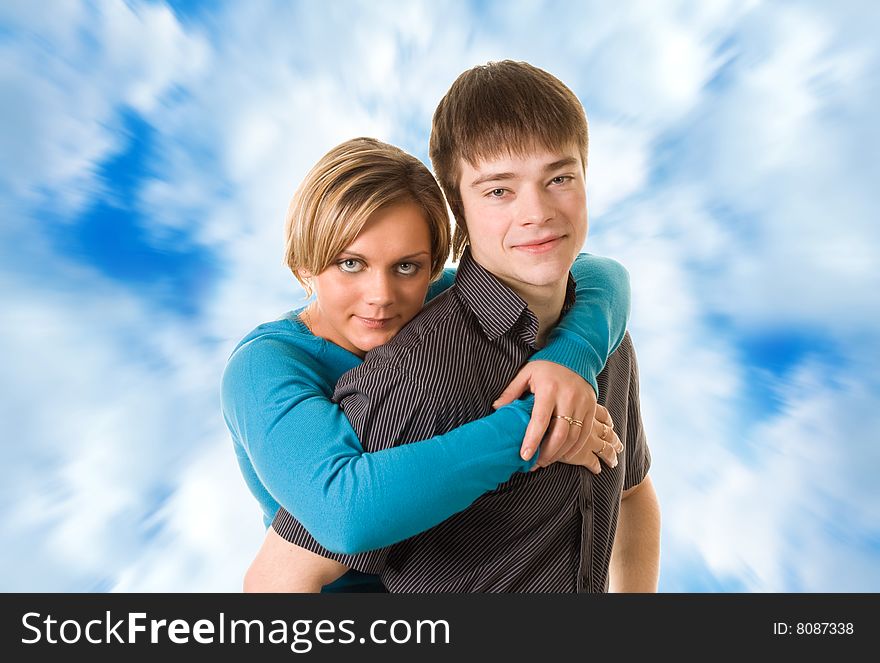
<point x="377" y="283"/>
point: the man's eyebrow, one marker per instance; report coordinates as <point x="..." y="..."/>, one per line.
<point x="565" y="162"/>
<point x="492" y="177"/>
<point x="561" y="163"/>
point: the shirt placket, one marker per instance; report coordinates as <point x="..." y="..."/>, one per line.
<point x="585" y="503"/>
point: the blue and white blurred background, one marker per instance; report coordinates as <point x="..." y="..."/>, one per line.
<point x="148" y="151"/>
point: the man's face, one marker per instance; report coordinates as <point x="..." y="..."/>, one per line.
<point x="526" y="216"/>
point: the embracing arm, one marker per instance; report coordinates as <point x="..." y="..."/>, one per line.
<point x="445" y="281"/>
<point x="307" y="455"/>
<point x="577" y="348"/>
<point x="588" y="333"/>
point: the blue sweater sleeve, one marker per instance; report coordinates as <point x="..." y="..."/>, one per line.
<point x="447" y="278"/>
<point x="305" y="453"/>
<point x="595" y="325"/>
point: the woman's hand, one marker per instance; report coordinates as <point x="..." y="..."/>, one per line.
<point x="560" y="394"/>
<point x="602" y="442"/>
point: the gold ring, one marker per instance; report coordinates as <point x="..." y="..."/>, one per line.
<point x="570" y="420"/>
<point x="577" y="422"/>
<point x="599" y="453"/>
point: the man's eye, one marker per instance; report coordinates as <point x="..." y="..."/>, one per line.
<point x="560" y="179"/>
<point x="350" y="265"/>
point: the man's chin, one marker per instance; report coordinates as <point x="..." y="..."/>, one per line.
<point x="546" y="274"/>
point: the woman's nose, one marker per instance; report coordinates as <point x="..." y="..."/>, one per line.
<point x="379" y="291"/>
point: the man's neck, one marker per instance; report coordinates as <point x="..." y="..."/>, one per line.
<point x="545" y="302"/>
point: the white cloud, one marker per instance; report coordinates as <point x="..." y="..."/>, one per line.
<point x="768" y="503"/>
<point x="802" y="514"/>
<point x="106" y="400"/>
<point x="92" y="61"/>
<point x="618" y="164"/>
<point x="645" y="62"/>
<point x="211" y="528"/>
<point x="785" y="151"/>
<point x="124" y="477"/>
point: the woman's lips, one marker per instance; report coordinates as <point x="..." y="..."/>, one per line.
<point x="375" y="323"/>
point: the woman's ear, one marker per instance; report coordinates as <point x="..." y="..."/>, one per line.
<point x="307" y="279"/>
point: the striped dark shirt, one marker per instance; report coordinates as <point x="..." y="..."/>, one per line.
<point x="550" y="530"/>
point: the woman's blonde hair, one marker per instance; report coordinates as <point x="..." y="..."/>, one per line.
<point x="340" y="193"/>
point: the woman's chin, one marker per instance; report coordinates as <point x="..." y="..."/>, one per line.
<point x="372" y="341"/>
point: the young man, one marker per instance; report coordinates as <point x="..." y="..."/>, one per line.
<point x="509" y="146"/>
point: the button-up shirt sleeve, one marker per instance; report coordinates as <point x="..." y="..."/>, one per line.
<point x="638" y="455"/>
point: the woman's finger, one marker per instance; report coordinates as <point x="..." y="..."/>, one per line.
<point x="538" y="424"/>
<point x="515" y="389"/>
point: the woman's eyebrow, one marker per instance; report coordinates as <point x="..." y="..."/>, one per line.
<point x="415" y="255"/>
<point x="353" y="254"/>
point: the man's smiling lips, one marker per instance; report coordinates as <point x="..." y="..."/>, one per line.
<point x="540" y="245"/>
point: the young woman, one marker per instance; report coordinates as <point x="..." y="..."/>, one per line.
<point x="367" y="231"/>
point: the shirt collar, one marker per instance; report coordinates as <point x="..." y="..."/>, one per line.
<point x="497" y="307"/>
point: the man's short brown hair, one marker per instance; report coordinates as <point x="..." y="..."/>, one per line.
<point x="497" y="109"/>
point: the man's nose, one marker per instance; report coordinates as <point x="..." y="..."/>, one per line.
<point x="534" y="205"/>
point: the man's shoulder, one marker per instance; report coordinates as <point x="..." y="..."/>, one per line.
<point x="424" y="334"/>
<point x="625" y="352"/>
<point x="400" y="363"/>
<point x="619" y="380"/>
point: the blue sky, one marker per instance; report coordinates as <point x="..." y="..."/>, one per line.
<point x="148" y="152"/>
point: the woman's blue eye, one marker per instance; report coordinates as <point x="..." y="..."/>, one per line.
<point x="408" y="268"/>
<point x="350" y="265"/>
<point x="496" y="193"/>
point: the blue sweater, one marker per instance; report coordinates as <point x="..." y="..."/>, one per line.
<point x="296" y="448"/>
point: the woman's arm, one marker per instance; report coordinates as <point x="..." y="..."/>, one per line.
<point x="563" y="374"/>
<point x="307" y="456"/>
<point x="588" y="333"/>
<point x="593" y="328"/>
<point x="446" y="280"/>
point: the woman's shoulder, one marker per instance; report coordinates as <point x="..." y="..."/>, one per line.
<point x="285" y="348"/>
<point x="286" y="334"/>
<point x="284" y="345"/>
